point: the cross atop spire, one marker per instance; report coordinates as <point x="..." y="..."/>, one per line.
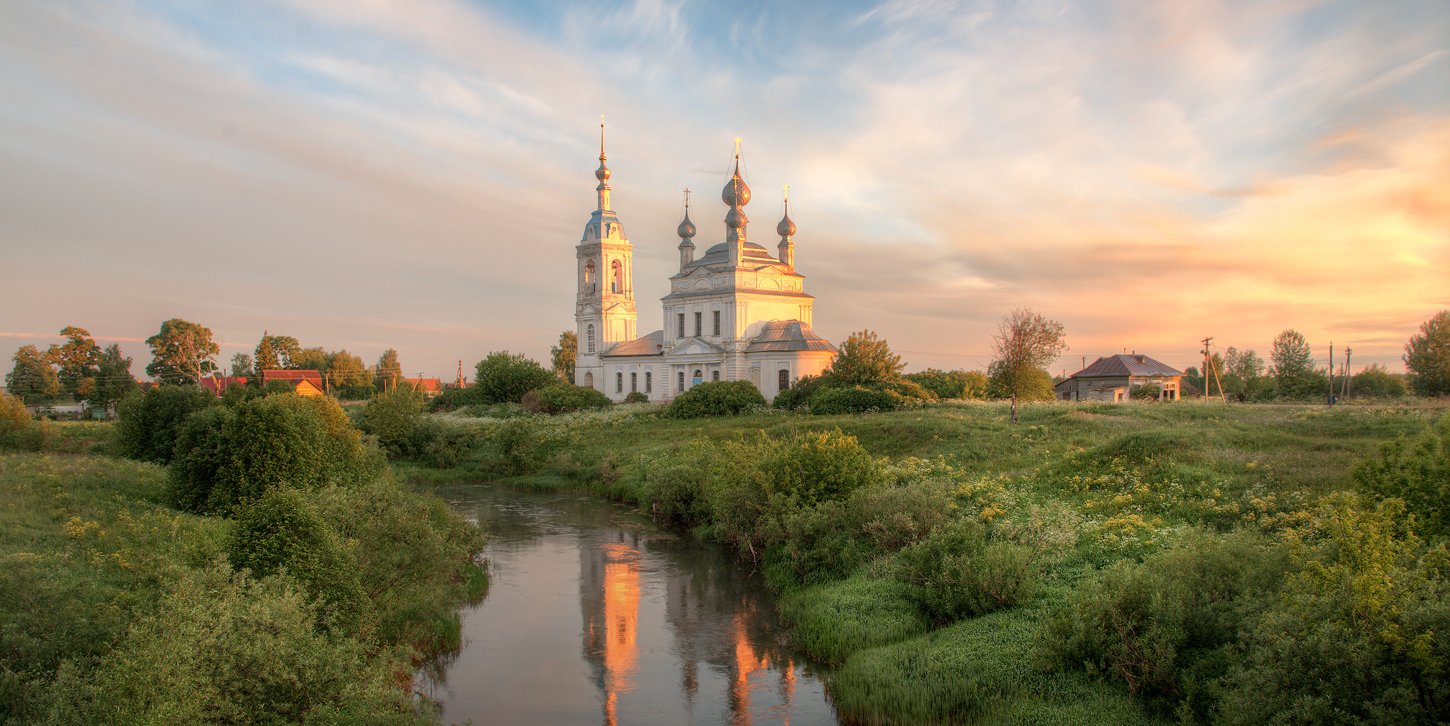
<point x="602" y="173"/>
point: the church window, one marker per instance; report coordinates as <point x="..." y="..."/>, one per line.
<point x="784" y="381"/>
<point x="697" y="323"/>
<point x="682" y="328"/>
<point x="714" y="375"/>
<point x="589" y="339"/>
<point x="649" y="382"/>
<point x="633" y="382"/>
<point x="697" y="378"/>
<point x="717" y="323"/>
<point x="682" y="380"/>
<point x="619" y="383"/>
<point x="589" y="277"/>
<point x="589" y="379"/>
<point x="616" y="277"/>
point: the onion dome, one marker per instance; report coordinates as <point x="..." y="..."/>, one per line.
<point x="786" y="228"/>
<point x="736" y="193"/>
<point x="602" y="173"/>
<point x="686" y="228"/>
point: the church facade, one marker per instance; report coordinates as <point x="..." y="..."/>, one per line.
<point x="734" y="313"/>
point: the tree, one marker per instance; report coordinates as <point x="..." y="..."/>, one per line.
<point x="181" y="352"/>
<point x="1293" y="362"/>
<point x="1246" y="365"/>
<point x="346" y="371"/>
<point x="242" y="365"/>
<point x="865" y="358"/>
<point x="1375" y="381"/>
<point x="388" y="370"/>
<point x="1025" y="343"/>
<point x="76" y="360"/>
<point x="276" y="351"/>
<point x="113" y="377"/>
<point x="32" y="379"/>
<point x="505" y="377"/>
<point x="310" y="359"/>
<point x="564" y="354"/>
<point x="1033" y="384"/>
<point x="1427" y="356"/>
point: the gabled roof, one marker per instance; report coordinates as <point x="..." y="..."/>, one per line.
<point x="425" y="385"/>
<point x="652" y="344"/>
<point x="1122" y="366"/>
<point x="787" y="336"/>
<point x="217" y="385"/>
<point x="292" y="376"/>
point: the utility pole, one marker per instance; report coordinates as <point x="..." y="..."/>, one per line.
<point x="1329" y="395"/>
<point x="460" y="373"/>
<point x="1206" y="341"/>
<point x="1347" y="377"/>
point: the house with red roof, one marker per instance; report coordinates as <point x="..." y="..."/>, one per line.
<point x="304" y="382"/>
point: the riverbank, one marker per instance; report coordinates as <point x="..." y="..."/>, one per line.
<point x="117" y="608"/>
<point x="1044" y="513"/>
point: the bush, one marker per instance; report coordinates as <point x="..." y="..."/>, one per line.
<point x="1167" y="628"/>
<point x="147" y="423"/>
<point x="226" y="648"/>
<point x="958" y="571"/>
<point x="1360" y="635"/>
<point x="505" y="377"/>
<point x="1416" y="472"/>
<point x="800" y="393"/>
<point x="564" y="397"/>
<point x="282" y="530"/>
<point x="636" y="397"/>
<point x="393" y="417"/>
<point x="1376" y="382"/>
<point x="819" y="466"/>
<point x="853" y="399"/>
<point x="454" y="398"/>
<point x="951" y="384"/>
<point x="202" y="450"/>
<point x="17" y="430"/>
<point x="716" y="398"/>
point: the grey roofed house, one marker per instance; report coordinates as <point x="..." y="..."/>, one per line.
<point x="1112" y="379"/>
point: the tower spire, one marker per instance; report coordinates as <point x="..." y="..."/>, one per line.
<point x="687" y="235"/>
<point x="736" y="195"/>
<point x="786" y="230"/>
<point x="602" y="173"/>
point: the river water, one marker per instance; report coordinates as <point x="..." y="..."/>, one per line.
<point x="596" y="616"/>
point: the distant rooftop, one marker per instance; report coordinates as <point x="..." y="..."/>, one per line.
<point x="1120" y="366"/>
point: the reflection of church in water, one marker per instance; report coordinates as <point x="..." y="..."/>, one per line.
<point x="737" y="659"/>
<point x="734" y="313"/>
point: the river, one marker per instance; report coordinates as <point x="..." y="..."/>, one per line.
<point x="595" y="615"/>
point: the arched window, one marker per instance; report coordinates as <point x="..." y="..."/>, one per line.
<point x="619" y="383"/>
<point x="649" y="385"/>
<point x="714" y="375"/>
<point x="589" y="379"/>
<point x="589" y="339"/>
<point x="784" y="381"/>
<point x="616" y="276"/>
<point x="589" y="276"/>
<point x="682" y="381"/>
<point x="695" y="379"/>
<point x="633" y="382"/>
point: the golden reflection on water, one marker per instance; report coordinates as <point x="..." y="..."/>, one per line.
<point x="619" y="624"/>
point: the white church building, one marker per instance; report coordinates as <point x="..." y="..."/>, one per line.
<point x="733" y="313"/>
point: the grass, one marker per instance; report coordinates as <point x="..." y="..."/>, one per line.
<point x="1089" y="484"/>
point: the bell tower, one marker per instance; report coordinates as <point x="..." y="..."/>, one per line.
<point x="604" y="311"/>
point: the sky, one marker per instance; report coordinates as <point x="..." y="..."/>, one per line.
<point x="366" y="174"/>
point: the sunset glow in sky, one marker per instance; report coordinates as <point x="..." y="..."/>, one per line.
<point x="365" y="174"/>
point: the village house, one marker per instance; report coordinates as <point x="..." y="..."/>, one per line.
<point x="429" y="387"/>
<point x="217" y="385"/>
<point x="304" y="383"/>
<point x="734" y="313"/>
<point x="1113" y="379"/>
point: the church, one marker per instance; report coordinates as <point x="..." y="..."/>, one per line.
<point x="734" y="313"/>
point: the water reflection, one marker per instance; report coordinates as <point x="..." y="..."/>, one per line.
<point x="671" y="631"/>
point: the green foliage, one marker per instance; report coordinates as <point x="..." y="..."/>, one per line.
<point x="560" y="397"/>
<point x="799" y="395"/>
<point x="1031" y="384"/>
<point x="113" y="377"/>
<point x="828" y="400"/>
<point x="283" y="441"/>
<point x="388" y="371"/>
<point x="275" y="352"/>
<point x="959" y="570"/>
<point x="636" y="397"/>
<point x="818" y="466"/>
<point x="76" y="360"/>
<point x="1292" y="361"/>
<point x="505" y="377"/>
<point x="283" y="531"/>
<point x="865" y="358"/>
<point x="350" y="378"/>
<point x="225" y="648"/>
<point x="454" y="398"/>
<point x="1376" y="382"/>
<point x="1416" y="472"/>
<point x="181" y="352"/>
<point x="1427" y="356"/>
<point x="836" y="619"/>
<point x="951" y="384"/>
<point x="1167" y="628"/>
<point x="33" y="378"/>
<point x="1361" y="634"/>
<point x="148" y="423"/>
<point x="716" y="398"/>
<point x="394" y="418"/>
<point x="202" y="450"/>
<point x="311" y="359"/>
<point x="564" y="354"/>
<point x="18" y="430"/>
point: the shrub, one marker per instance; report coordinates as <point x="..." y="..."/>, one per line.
<point x="1417" y="472"/>
<point x="800" y="393"/>
<point x="282" y="530"/>
<point x="814" y="546"/>
<point x="1361" y="634"/>
<point x="16" y="428"/>
<point x="564" y="397"/>
<point x="1167" y="628"/>
<point x="440" y="445"/>
<point x="202" y="450"/>
<point x="504" y="377"/>
<point x="393" y="417"/>
<point x="891" y="517"/>
<point x="958" y="571"/>
<point x="227" y="648"/>
<point x="951" y="384"/>
<point x="636" y="397"/>
<point x="1376" y="382"/>
<point x="147" y="424"/>
<point x="454" y="398"/>
<point x="853" y="399"/>
<point x="716" y="398"/>
<point x="818" y="466"/>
